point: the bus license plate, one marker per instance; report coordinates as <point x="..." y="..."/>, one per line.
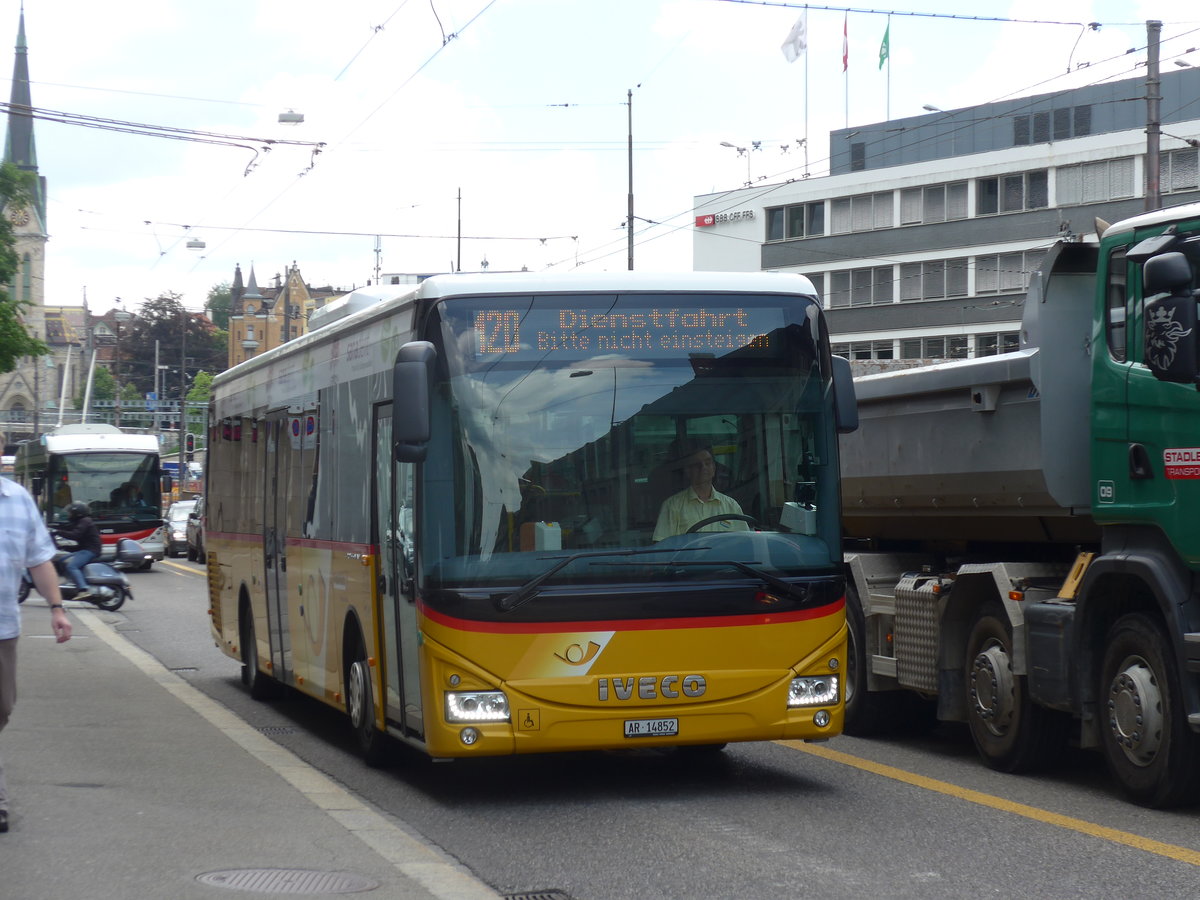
<point x="635" y="728"/>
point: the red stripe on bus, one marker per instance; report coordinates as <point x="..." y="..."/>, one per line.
<point x="132" y="535"/>
<point x="799" y="615"/>
<point x="309" y="543"/>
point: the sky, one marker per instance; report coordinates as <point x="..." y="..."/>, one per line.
<point x="503" y="121"/>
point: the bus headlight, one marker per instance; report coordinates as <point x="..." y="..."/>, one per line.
<point x="476" y="706"/>
<point x="813" y="690"/>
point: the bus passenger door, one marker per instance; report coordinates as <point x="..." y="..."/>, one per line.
<point x="394" y="519"/>
<point x="275" y="497"/>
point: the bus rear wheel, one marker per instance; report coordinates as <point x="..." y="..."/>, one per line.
<point x="260" y="685"/>
<point x="1150" y="751"/>
<point x="360" y="707"/>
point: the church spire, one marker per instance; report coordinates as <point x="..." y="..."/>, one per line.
<point x="19" y="147"/>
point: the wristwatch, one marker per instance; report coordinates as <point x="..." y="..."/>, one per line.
<point x="56" y="606"/>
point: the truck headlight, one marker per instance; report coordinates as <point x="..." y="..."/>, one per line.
<point x="476" y="706"/>
<point x="813" y="690"/>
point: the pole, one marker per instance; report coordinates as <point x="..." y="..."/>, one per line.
<point x="87" y="392"/>
<point x="629" y="217"/>
<point x="1153" y="125"/>
<point x="157" y="391"/>
<point x="183" y="382"/>
<point x="458" y="263"/>
<point x="62" y="393"/>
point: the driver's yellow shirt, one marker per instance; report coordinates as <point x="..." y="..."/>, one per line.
<point x="681" y="511"/>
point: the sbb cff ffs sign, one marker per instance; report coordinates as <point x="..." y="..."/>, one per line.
<point x="707" y="221"/>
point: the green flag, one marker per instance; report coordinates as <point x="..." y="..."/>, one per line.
<point x="884" y="48"/>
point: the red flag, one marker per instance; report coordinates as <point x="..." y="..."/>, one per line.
<point x="845" y="44"/>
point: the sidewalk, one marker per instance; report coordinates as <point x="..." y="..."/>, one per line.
<point x="126" y="782"/>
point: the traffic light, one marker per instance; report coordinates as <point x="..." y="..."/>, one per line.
<point x="189" y="445"/>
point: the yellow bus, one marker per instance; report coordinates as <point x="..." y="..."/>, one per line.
<point x="444" y="511"/>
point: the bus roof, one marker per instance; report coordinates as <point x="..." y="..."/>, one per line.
<point x="458" y="285"/>
<point x="85" y="438"/>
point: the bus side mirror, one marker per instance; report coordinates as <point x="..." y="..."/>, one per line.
<point x="37" y="483"/>
<point x="412" y="379"/>
<point x="1171" y="319"/>
<point x="167" y="484"/>
<point x="845" y="405"/>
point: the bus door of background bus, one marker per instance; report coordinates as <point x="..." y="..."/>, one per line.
<point x="393" y="535"/>
<point x="275" y="529"/>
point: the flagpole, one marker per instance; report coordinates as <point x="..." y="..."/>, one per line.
<point x="806" y="98"/>
<point x="888" y="36"/>
<point x="846" y="62"/>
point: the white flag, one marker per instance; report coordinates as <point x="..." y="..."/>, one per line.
<point x="797" y="40"/>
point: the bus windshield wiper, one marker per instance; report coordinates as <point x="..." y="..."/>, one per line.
<point x="529" y="589"/>
<point x="750" y="568"/>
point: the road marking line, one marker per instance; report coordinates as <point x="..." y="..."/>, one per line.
<point x="179" y="568"/>
<point x="409" y="855"/>
<point x="1159" y="848"/>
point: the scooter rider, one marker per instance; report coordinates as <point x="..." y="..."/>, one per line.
<point x="83" y="531"/>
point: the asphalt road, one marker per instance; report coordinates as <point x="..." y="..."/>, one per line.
<point x="902" y="817"/>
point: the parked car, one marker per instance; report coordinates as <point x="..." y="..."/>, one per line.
<point x="176" y="527"/>
<point x="195" y="531"/>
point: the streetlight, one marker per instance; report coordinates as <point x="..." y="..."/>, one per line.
<point x="120" y="316"/>
<point x="929" y="107"/>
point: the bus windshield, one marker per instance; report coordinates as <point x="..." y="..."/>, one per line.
<point x="697" y="428"/>
<point x="117" y="485"/>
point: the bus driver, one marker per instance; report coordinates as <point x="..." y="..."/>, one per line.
<point x="699" y="500"/>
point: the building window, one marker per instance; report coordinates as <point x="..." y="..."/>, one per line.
<point x="858" y="156"/>
<point x="865" y="350"/>
<point x="865" y="212"/>
<point x="860" y="287"/>
<point x="1178" y="171"/>
<point x="798" y="221"/>
<point x="934" y="203"/>
<point x="1012" y="193"/>
<point x="1057" y="125"/>
<point x="934" y="279"/>
<point x="994" y="344"/>
<point x="1094" y="182"/>
<point x="1004" y="272"/>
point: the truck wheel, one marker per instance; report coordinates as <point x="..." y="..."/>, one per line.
<point x="866" y="713"/>
<point x="1010" y="732"/>
<point x="1151" y="752"/>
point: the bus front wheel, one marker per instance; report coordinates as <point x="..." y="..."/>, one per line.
<point x="360" y="706"/>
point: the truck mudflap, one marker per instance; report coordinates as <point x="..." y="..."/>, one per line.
<point x="1191" y="651"/>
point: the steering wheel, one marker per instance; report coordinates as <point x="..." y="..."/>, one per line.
<point x="741" y="517"/>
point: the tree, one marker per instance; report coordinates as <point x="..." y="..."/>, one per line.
<point x="179" y="333"/>
<point x="200" y="393"/>
<point x="104" y="387"/>
<point x="220" y="298"/>
<point x="16" y="190"/>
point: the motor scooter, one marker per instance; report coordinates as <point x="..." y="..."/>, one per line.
<point x="109" y="588"/>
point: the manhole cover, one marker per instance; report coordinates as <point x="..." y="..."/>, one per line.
<point x="287" y="881"/>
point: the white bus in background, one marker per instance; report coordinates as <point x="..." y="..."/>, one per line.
<point x="115" y="473"/>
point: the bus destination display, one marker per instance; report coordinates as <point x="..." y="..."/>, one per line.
<point x="643" y="332"/>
